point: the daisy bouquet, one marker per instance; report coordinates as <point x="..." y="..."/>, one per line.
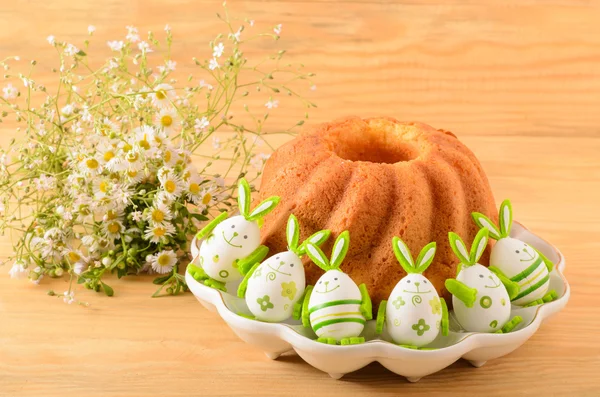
<point x="114" y="171"/>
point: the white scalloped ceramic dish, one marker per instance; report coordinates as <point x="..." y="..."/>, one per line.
<point x="477" y="348"/>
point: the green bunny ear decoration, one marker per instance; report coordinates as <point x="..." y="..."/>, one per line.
<point x="505" y="218"/>
<point x="340" y="249"/>
<point x="244" y="197"/>
<point x="479" y="243"/>
<point x="317" y="256"/>
<point x="485" y="222"/>
<point x="317" y="239"/>
<point x="426" y="257"/>
<point x="292" y="233"/>
<point x="459" y="248"/>
<point x="404" y="256"/>
<point x="264" y="208"/>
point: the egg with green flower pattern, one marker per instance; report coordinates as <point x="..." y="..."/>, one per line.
<point x="275" y="286"/>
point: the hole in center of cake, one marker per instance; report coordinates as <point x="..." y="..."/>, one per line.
<point x="374" y="146"/>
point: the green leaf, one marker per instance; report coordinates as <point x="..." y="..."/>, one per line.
<point x="317" y="256"/>
<point x="161" y="280"/>
<point x="107" y="289"/>
<point x="459" y="248"/>
<point x="340" y="249"/>
<point x="403" y="255"/>
<point x="244" y="197"/>
<point x="479" y="243"/>
<point x="426" y="257"/>
<point x="200" y="217"/>
<point x="292" y="232"/>
<point x="505" y="218"/>
<point x="483" y="221"/>
<point x="264" y="208"/>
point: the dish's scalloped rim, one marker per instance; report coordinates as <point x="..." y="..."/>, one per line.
<point x="277" y="338"/>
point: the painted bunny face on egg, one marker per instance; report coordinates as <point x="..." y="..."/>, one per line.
<point x="517" y="250"/>
<point x="334" y="285"/>
<point x="415" y="284"/>
<point x="285" y="263"/>
<point x="237" y="233"/>
<point x="479" y="277"/>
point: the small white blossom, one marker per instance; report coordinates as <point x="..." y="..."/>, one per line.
<point x="136" y="216"/>
<point x="213" y="64"/>
<point x="144" y="47"/>
<point x="277" y="30"/>
<point x="216" y="143"/>
<point x="201" y="124"/>
<point x="10" y="92"/>
<point x="18" y="270"/>
<point x="69" y="297"/>
<point x="272" y="103"/>
<point x="167" y="28"/>
<point x="115" y="45"/>
<point x="218" y="50"/>
<point x="50" y="40"/>
<point x="91" y="29"/>
<point x="71" y="50"/>
<point x="132" y="34"/>
<point x="204" y="84"/>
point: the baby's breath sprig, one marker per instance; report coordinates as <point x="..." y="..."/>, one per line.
<point x="113" y="169"/>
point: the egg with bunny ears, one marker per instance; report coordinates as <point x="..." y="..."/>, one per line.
<point x="414" y="314"/>
<point x="228" y="243"/>
<point x="517" y="260"/>
<point x="336" y="308"/>
<point x="480" y="298"/>
<point x="272" y="288"/>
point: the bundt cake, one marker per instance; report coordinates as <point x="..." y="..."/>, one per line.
<point x="377" y="178"/>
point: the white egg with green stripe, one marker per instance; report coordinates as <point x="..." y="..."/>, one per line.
<point x="336" y="308"/>
<point x="517" y="260"/>
<point x="480" y="298"/>
<point x="231" y="245"/>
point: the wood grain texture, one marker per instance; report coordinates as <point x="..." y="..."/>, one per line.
<point x="518" y="82"/>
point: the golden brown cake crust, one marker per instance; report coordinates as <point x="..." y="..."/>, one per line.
<point x="377" y="178"/>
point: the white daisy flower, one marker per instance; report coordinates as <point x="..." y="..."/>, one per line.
<point x="107" y="155"/>
<point x="90" y="166"/>
<point x="10" y="92"/>
<point x="134" y="177"/>
<point x="106" y="127"/>
<point x="144" y="137"/>
<point x="163" y="197"/>
<point x="163" y="95"/>
<point x="75" y="258"/>
<point x="208" y="197"/>
<point x="170" y="156"/>
<point x="133" y="161"/>
<point x="193" y="188"/>
<point x="163" y="262"/>
<point x="112" y="229"/>
<point x="158" y="214"/>
<point x="171" y="184"/>
<point x="101" y="186"/>
<point x="166" y="120"/>
<point x="159" y="233"/>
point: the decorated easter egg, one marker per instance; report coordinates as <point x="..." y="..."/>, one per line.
<point x="414" y="311"/>
<point x="523" y="265"/>
<point x="275" y="286"/>
<point x="491" y="309"/>
<point x="231" y="240"/>
<point x="334" y="306"/>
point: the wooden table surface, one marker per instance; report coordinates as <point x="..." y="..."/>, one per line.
<point x="517" y="81"/>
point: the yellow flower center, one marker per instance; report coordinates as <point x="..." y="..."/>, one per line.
<point x="111" y="214"/>
<point x="103" y="186"/>
<point x="158" y="215"/>
<point x="109" y="155"/>
<point x="167" y="156"/>
<point x="74" y="257"/>
<point x="164" y="260"/>
<point x="92" y="164"/>
<point x="144" y="143"/>
<point x="194" y="188"/>
<point x="114" y="227"/>
<point x="132" y="174"/>
<point x="160" y="231"/>
<point x="132" y="157"/>
<point x="160" y="95"/>
<point x="127" y="147"/>
<point x="206" y="199"/>
<point x="170" y="186"/>
<point x="166" y="120"/>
